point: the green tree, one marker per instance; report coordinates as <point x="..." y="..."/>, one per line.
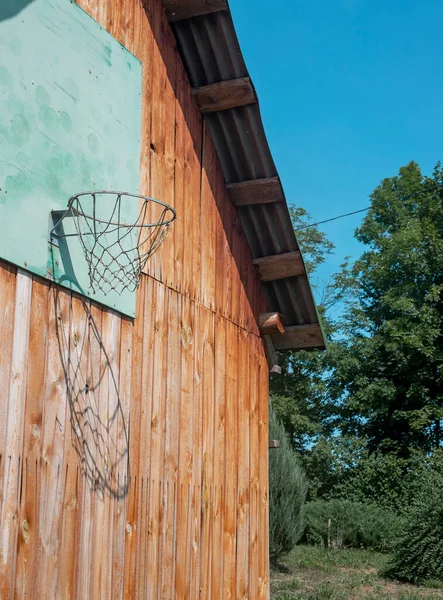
<point x="387" y="380"/>
<point x="298" y="393"/>
<point x="287" y="493"/>
<point x="418" y="551"/>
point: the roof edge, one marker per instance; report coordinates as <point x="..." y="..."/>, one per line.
<point x="220" y="96"/>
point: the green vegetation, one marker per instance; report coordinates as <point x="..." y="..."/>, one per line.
<point x="418" y="552"/>
<point x="310" y="573"/>
<point x="341" y="523"/>
<point x="365" y="417"/>
<point x="287" y="489"/>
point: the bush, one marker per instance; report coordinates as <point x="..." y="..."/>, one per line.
<point x="287" y="493"/>
<point x="418" y="552"/>
<point x="353" y="524"/>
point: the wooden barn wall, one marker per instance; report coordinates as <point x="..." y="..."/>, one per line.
<point x="134" y="453"/>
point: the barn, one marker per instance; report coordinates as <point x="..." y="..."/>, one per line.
<point x="134" y="388"/>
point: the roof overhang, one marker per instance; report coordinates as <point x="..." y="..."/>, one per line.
<point x="209" y="48"/>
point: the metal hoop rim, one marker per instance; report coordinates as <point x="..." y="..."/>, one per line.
<point x="75" y="197"/>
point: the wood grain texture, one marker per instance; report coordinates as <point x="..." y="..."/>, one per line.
<point x="299" y="336"/>
<point x="123" y="473"/>
<point x="256" y="191"/>
<point x="13" y="449"/>
<point x="280" y="266"/>
<point x="271" y="323"/>
<point x="271" y="355"/>
<point x="184" y="516"/>
<point x="225" y="95"/>
<point x="263" y="443"/>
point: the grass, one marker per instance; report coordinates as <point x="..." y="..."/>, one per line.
<point x="309" y="573"/>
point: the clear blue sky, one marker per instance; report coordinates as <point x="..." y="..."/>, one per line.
<point x="350" y="90"/>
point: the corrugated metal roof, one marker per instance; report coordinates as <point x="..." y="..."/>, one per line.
<point x="211" y="53"/>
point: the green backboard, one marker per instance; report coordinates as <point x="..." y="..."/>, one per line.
<point x="70" y="112"/>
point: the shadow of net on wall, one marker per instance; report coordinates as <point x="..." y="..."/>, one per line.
<point x="98" y="426"/>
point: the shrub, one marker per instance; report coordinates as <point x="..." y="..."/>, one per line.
<point x="287" y="493"/>
<point x="418" y="552"/>
<point x="353" y="524"/>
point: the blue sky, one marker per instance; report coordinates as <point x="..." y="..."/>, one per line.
<point x="350" y="90"/>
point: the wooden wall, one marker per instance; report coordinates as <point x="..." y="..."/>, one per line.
<point x="134" y="454"/>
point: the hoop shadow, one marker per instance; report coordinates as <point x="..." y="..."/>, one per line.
<point x="10" y="8"/>
<point x="99" y="432"/>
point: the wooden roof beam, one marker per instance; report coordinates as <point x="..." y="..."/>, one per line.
<point x="176" y="10"/>
<point x="225" y="95"/>
<point x="280" y="266"/>
<point x="271" y="355"/>
<point x="301" y="337"/>
<point x="271" y="322"/>
<point x="256" y="191"/>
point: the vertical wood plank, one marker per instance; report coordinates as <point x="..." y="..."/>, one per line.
<point x="28" y="539"/>
<point x="53" y="443"/>
<point x="238" y="295"/>
<point x="13" y="469"/>
<point x="207" y="349"/>
<point x="8" y="276"/>
<point x="137" y="457"/>
<point x="221" y="283"/>
<point x="171" y="448"/>
<point x="111" y="461"/>
<point x="76" y="434"/>
<point x="254" y="461"/>
<point x="195" y="513"/>
<point x="182" y="251"/>
<point x="231" y="466"/>
<point x="123" y="471"/>
<point x="217" y="580"/>
<point x="87" y="364"/>
<point x="263" y="475"/>
<point x="185" y="465"/>
<point x="229" y="269"/>
<point x="154" y="523"/>
<point x="145" y="437"/>
<point x="243" y="507"/>
<point x="162" y="145"/>
<point x="208" y="222"/>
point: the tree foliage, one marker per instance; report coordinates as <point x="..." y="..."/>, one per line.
<point x="287" y="492"/>
<point x="418" y="552"/>
<point x="387" y="379"/>
<point x="342" y="523"/>
<point x="366" y="415"/>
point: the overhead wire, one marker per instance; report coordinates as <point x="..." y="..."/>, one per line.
<point x="355" y="212"/>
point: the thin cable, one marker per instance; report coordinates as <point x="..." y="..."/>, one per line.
<point x="355" y="212"/>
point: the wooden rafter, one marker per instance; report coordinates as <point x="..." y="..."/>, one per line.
<point x="271" y="355"/>
<point x="256" y="191"/>
<point x="302" y="337"/>
<point x="224" y="95"/>
<point x="271" y="322"/>
<point x="280" y="266"/>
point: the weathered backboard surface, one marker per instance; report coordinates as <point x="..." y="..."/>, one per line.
<point x="70" y="111"/>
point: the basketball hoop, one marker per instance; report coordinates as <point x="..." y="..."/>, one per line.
<point x="116" y="247"/>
